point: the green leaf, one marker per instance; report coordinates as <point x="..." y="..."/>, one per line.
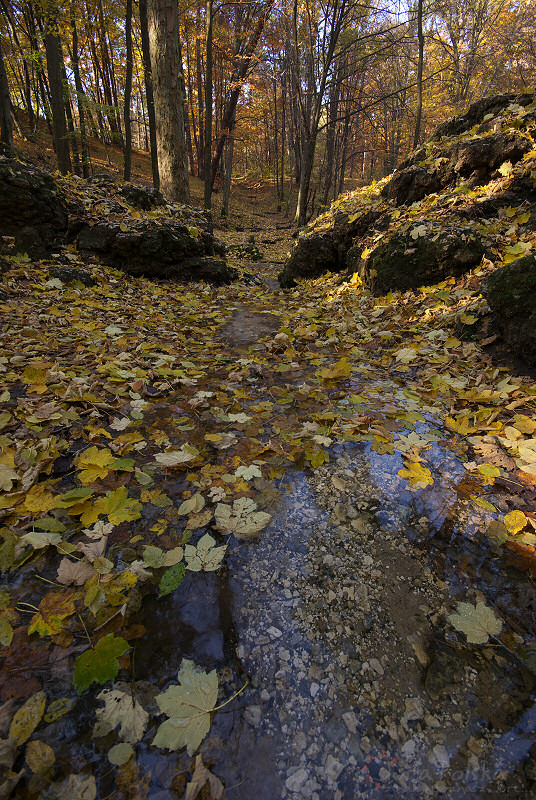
<point x="119" y="506"/>
<point x="188" y="707"/>
<point x="6" y="632"/>
<point x="171" y="579"/>
<point x="206" y="556"/>
<point x="99" y="663"/>
<point x="477" y="622"/>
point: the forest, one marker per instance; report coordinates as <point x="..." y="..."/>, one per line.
<point x="314" y="96"/>
<point x="267" y="400"/>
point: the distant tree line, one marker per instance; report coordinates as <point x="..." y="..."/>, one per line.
<point x="317" y="95"/>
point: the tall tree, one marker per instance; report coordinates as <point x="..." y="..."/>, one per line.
<point x="420" y="63"/>
<point x="162" y="18"/>
<point x="6" y="130"/>
<point x="149" y="94"/>
<point x="127" y="122"/>
<point x="55" y="67"/>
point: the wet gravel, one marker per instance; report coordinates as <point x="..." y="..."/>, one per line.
<point x="359" y="687"/>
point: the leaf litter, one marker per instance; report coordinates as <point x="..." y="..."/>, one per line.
<point x="105" y="420"/>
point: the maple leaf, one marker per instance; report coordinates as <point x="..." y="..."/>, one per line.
<point x="418" y="476"/>
<point x="477" y="622"/>
<point x="242" y="518"/>
<point x="94" y="464"/>
<point x="120" y="708"/>
<point x="99" y="663"/>
<point x="118" y="506"/>
<point x="206" y="556"/>
<point x="341" y="369"/>
<point x="77" y="572"/>
<point x="53" y="609"/>
<point x="188" y="706"/>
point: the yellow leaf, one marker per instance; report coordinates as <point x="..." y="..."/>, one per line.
<point x="39" y="756"/>
<point x="341" y="369"/>
<point x="27" y="718"/>
<point x="515" y="521"/>
<point x="418" y="476"/>
<point x="38" y="500"/>
<point x="118" y="506"/>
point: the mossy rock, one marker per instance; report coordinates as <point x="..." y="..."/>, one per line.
<point x="511" y="294"/>
<point x="423" y="255"/>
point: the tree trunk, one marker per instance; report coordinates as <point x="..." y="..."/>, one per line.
<point x="127" y="149"/>
<point x="80" y="98"/>
<point x="420" y="37"/>
<point x="54" y="69"/>
<point x="5" y="111"/>
<point x="208" y="107"/>
<point x="169" y="103"/>
<point x="237" y="80"/>
<point x="149" y="94"/>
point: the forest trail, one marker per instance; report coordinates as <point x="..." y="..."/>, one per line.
<point x="317" y="437"/>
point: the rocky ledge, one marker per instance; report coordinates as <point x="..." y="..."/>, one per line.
<point x="131" y="228"/>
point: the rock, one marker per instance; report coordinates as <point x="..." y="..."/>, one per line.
<point x="168" y="250"/>
<point x="511" y="294"/>
<point x="311" y="257"/>
<point x="477" y="111"/>
<point x="31" y="208"/>
<point x="317" y="253"/>
<point x="71" y="274"/>
<point x="423" y="255"/>
<point x="295" y="782"/>
<point x="143" y="197"/>
<point x="475" y="160"/>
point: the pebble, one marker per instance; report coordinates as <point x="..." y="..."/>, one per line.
<point x="333" y="767"/>
<point x="295" y="782"/>
<point x="275" y="633"/>
<point x="314" y="689"/>
<point x="253" y="715"/>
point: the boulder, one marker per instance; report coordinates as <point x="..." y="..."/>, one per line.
<point x="511" y="294"/>
<point x="423" y="255"/>
<point x="72" y="275"/>
<point x="143" y="197"/>
<point x="473" y="161"/>
<point x="168" y="250"/>
<point x="311" y="257"/>
<point x="317" y="253"/>
<point x="31" y="208"/>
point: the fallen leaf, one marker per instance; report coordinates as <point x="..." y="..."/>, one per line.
<point x="199" y="779"/>
<point x="120" y="708"/>
<point x="27" y="718"/>
<point x="242" y="518"/>
<point x="99" y="663"/>
<point x="188" y="706"/>
<point x="206" y="556"/>
<point x="477" y="622"/>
